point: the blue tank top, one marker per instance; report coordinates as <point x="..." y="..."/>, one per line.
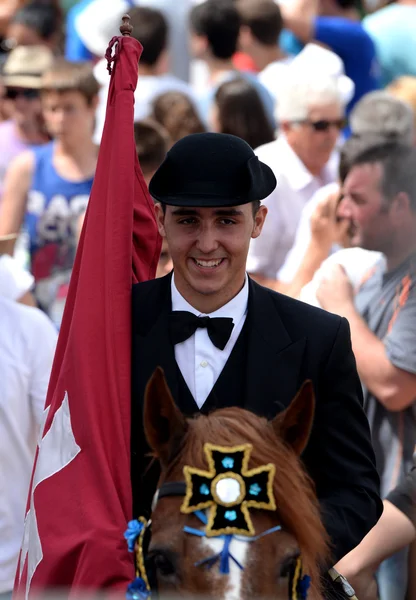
<point x="53" y="209"/>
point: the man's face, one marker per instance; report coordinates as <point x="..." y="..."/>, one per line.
<point x="209" y="247"/>
<point x="314" y="139"/>
<point x="68" y="116"/>
<point x="363" y="203"/>
<point x="23" y="105"/>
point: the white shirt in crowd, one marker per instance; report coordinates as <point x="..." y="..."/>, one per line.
<point x="149" y="87"/>
<point x="303" y="236"/>
<point x="274" y="75"/>
<point x="295" y="186"/>
<point x="357" y="262"/>
<point x="15" y="282"/>
<point x="27" y="347"/>
<point x="199" y="360"/>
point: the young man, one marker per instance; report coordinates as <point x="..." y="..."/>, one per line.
<point x="151" y="29"/>
<point x="261" y="26"/>
<point x="48" y="188"/>
<point x="215" y="29"/>
<point x="209" y="188"/>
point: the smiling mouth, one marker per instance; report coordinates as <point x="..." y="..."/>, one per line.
<point x="208" y="264"/>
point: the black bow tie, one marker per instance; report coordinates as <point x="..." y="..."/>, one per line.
<point x="183" y="324"/>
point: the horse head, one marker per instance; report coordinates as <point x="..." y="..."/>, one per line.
<point x="236" y="515"/>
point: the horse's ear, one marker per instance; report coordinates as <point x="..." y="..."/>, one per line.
<point x="164" y="424"/>
<point x="295" y="423"/>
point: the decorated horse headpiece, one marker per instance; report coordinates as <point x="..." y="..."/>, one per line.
<point x="220" y="498"/>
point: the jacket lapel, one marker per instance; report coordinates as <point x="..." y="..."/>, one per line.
<point x="274" y="359"/>
<point x="152" y="344"/>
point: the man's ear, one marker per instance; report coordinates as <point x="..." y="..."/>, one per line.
<point x="294" y="425"/>
<point x="401" y="209"/>
<point x="164" y="424"/>
<point x="259" y="219"/>
<point x="160" y="219"/>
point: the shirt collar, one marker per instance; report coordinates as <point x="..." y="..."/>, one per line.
<point x="236" y="308"/>
<point x="295" y="171"/>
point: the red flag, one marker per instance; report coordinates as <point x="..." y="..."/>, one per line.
<point x="80" y="498"/>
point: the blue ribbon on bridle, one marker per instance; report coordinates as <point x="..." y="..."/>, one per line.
<point x="225" y="555"/>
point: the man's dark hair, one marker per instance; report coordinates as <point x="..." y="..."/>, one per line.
<point x="348" y="3"/>
<point x="45" y="19"/>
<point x="220" y="22"/>
<point x="150" y="28"/>
<point x="152" y="143"/>
<point x="263" y="18"/>
<point x="398" y="164"/>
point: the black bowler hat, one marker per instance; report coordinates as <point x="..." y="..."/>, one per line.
<point x="211" y="169"/>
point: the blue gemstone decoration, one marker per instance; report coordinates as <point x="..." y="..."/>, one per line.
<point x="227" y="462"/>
<point x="230" y="515"/>
<point x="204" y="489"/>
<point x="137" y="590"/>
<point x="255" y="489"/>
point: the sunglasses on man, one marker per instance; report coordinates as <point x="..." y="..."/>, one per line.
<point x="323" y="124"/>
<point x="27" y="93"/>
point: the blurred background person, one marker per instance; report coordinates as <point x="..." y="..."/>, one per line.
<point x="177" y="113"/>
<point x="376" y="117"/>
<point x="337" y="25"/>
<point x="37" y="23"/>
<point x="310" y="113"/>
<point x="47" y="188"/>
<point x="151" y="29"/>
<point x="393" y="31"/>
<point x="27" y="347"/>
<point x="21" y="77"/>
<point x="214" y="33"/>
<point x="379" y="197"/>
<point x="238" y="110"/>
<point x="261" y="26"/>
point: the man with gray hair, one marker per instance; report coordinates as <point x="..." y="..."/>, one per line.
<point x="310" y="114"/>
<point x="380" y="114"/>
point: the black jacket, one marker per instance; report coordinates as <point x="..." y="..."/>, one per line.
<point x="288" y="342"/>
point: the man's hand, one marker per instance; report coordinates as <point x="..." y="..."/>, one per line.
<point x="326" y="229"/>
<point x="335" y="292"/>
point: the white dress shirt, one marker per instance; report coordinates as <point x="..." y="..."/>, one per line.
<point x="295" y="186"/>
<point x="198" y="359"/>
<point x="27" y="347"/>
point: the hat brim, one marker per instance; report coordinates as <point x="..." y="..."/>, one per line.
<point x="21" y="81"/>
<point x="202" y="201"/>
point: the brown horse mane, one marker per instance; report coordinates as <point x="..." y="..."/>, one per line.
<point x="293" y="490"/>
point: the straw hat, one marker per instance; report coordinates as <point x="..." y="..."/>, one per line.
<point x="25" y="65"/>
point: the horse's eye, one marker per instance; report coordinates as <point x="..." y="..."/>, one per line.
<point x="164" y="563"/>
<point x="288" y="564"/>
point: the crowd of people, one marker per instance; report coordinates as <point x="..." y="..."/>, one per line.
<point x="324" y="91"/>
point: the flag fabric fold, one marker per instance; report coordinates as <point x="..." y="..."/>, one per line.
<point x="80" y="497"/>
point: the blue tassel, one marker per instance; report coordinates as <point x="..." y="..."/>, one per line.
<point x="134" y="529"/>
<point x="137" y="590"/>
<point x="225" y="555"/>
<point x="303" y="587"/>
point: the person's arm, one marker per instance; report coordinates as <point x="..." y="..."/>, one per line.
<point x="340" y="456"/>
<point x="16" y="187"/>
<point x="392" y="532"/>
<point x="386" y="367"/>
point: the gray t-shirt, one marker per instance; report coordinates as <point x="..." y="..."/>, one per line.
<point x="387" y="302"/>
